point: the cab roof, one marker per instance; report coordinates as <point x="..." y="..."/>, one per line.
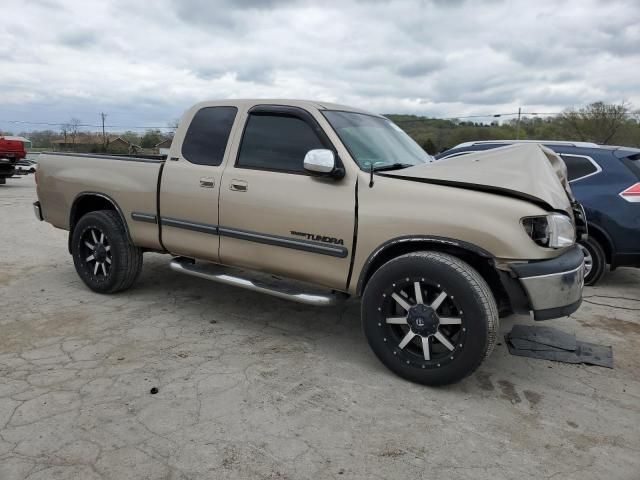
<point x="317" y="104"/>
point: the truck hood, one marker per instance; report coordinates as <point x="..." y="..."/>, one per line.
<point x="526" y="171"/>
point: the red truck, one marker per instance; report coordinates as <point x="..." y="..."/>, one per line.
<point x="10" y="152"/>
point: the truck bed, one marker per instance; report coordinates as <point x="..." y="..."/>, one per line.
<point x="130" y="183"/>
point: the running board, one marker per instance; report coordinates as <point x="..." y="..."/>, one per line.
<point x="258" y="282"/>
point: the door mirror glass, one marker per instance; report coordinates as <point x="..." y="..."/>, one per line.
<point x="320" y="161"/>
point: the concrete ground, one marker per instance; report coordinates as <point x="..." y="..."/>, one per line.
<point x="254" y="387"/>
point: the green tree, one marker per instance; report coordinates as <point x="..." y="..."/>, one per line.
<point x="151" y="138"/>
<point x="598" y="122"/>
<point x="429" y="147"/>
<point x="131" y="137"/>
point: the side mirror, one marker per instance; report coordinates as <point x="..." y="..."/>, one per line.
<point x="322" y="162"/>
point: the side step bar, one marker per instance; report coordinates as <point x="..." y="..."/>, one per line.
<point x="258" y="282"/>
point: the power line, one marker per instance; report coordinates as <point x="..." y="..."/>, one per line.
<point x="509" y="114"/>
<point x="462" y="117"/>
<point x="59" y="124"/>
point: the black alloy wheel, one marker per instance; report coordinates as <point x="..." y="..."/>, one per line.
<point x="429" y="317"/>
<point x="96" y="252"/>
<point x="104" y="258"/>
<point x="421" y="322"/>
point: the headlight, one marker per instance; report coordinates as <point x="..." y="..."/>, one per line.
<point x="554" y="230"/>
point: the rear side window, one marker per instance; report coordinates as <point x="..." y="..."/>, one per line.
<point x="276" y="142"/>
<point x="579" y="166"/>
<point x="207" y="136"/>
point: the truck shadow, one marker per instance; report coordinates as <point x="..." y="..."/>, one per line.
<point x="333" y="333"/>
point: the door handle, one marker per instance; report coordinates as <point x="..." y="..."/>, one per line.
<point x="239" y="186"/>
<point x="207" y="182"/>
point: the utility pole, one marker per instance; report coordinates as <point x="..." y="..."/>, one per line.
<point x="518" y="124"/>
<point x="104" y="136"/>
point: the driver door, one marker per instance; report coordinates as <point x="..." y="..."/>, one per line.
<point x="275" y="216"/>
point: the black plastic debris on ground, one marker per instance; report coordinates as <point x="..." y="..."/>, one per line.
<point x="550" y="344"/>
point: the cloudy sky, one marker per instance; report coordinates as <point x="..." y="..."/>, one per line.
<point x="144" y="63"/>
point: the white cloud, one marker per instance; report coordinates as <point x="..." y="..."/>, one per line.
<point x="145" y="63"/>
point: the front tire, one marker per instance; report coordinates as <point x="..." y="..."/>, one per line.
<point x="103" y="256"/>
<point x="595" y="260"/>
<point x="429" y="317"/>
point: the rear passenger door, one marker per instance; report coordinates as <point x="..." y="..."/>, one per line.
<point x="274" y="216"/>
<point x="191" y="183"/>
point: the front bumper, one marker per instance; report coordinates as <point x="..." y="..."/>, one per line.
<point x="551" y="288"/>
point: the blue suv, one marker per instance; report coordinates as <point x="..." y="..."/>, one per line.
<point x="606" y="181"/>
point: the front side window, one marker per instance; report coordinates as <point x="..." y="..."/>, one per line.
<point x="207" y="135"/>
<point x="375" y="141"/>
<point x="276" y="142"/>
<point x="578" y="166"/>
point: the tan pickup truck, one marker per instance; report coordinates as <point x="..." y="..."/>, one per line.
<point x="313" y="202"/>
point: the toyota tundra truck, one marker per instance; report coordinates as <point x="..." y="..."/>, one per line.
<point x="314" y="202"/>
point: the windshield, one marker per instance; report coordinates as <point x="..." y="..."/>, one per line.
<point x="375" y="141"/>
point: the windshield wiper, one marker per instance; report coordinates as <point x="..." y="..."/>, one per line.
<point x="393" y="166"/>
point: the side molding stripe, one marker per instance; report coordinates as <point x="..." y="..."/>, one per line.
<point x="276" y="240"/>
<point x="194" y="226"/>
<point x="314" y="247"/>
<point x="144" y="217"/>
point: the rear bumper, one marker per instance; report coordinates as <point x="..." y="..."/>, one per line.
<point x="551" y="288"/>
<point x="37" y="210"/>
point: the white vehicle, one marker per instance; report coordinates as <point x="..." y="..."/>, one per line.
<point x="25" y="167"/>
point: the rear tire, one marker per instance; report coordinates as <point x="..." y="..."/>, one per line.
<point x="103" y="256"/>
<point x="429" y="317"/>
<point x="595" y="260"/>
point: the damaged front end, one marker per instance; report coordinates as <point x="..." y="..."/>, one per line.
<point x="549" y="288"/>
